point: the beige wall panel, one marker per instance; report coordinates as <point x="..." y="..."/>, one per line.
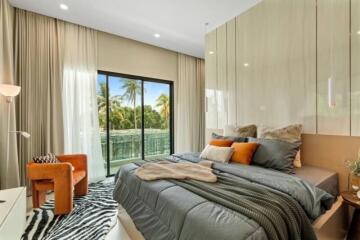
<point x="231" y="70"/>
<point x="211" y="115"/>
<point x="355" y="67"/>
<point x="222" y="83"/>
<point x="275" y="63"/>
<point x="122" y="55"/>
<point x="333" y="36"/>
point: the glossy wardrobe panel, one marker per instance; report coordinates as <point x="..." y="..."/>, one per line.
<point x="355" y="67"/>
<point x="231" y="71"/>
<point x="280" y="56"/>
<point x="221" y="91"/>
<point x="275" y="64"/>
<point x="211" y="114"/>
<point x="333" y="76"/>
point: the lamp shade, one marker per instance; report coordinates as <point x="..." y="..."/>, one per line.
<point x="9" y="90"/>
<point x="25" y="134"/>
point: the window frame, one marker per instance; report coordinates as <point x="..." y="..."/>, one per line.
<point x="143" y="80"/>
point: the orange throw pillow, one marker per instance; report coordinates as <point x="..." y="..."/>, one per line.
<point x="221" y="142"/>
<point x="243" y="152"/>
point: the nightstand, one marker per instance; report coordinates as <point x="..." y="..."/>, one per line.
<point x="12" y="213"/>
<point x="351" y="199"/>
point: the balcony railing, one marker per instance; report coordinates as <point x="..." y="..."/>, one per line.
<point x="125" y="145"/>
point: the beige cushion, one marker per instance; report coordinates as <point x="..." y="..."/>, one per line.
<point x="238" y="131"/>
<point x="217" y="154"/>
<point x="291" y="133"/>
<point x="297" y="160"/>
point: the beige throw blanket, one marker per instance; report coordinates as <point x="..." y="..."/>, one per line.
<point x="201" y="171"/>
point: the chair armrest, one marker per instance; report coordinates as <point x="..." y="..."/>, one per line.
<point x="39" y="171"/>
<point x="78" y="161"/>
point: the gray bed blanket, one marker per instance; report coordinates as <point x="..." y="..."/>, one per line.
<point x="166" y="210"/>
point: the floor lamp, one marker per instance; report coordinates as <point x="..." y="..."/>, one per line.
<point x="10" y="91"/>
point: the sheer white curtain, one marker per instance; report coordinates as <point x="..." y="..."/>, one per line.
<point x="81" y="124"/>
<point x="189" y="105"/>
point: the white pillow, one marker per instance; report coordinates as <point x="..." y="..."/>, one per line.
<point x="217" y="154"/>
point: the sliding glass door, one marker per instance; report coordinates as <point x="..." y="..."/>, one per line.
<point x="157" y="116"/>
<point x="135" y="116"/>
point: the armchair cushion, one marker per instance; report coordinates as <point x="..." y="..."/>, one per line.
<point x="78" y="176"/>
<point x="36" y="171"/>
<point x="78" y="161"/>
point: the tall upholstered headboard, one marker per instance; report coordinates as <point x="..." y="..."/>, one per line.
<point x="325" y="151"/>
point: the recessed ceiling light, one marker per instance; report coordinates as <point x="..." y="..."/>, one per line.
<point x="358" y="32"/>
<point x="156" y="35"/>
<point x="64" y="6"/>
<point x="211" y="52"/>
<point x="246" y="64"/>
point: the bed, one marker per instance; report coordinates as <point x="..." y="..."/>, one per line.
<point x="320" y="177"/>
<point x="165" y="210"/>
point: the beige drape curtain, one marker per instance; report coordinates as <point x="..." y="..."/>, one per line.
<point x="8" y="174"/>
<point x="189" y="104"/>
<point x="38" y="70"/>
<point x="56" y="66"/>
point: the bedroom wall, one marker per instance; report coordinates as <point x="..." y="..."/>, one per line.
<point x="271" y="64"/>
<point x="123" y="55"/>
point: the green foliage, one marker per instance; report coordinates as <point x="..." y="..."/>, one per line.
<point x="115" y="108"/>
<point x="124" y="117"/>
<point x="162" y="102"/>
<point x="152" y="119"/>
<point x="354" y="166"/>
<point x="132" y="89"/>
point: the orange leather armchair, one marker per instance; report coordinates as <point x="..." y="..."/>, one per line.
<point x="61" y="178"/>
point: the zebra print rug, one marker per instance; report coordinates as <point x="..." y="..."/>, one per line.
<point x="92" y="217"/>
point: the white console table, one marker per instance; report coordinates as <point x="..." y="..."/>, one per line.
<point x="12" y="213"/>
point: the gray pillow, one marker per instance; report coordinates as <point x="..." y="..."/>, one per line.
<point x="275" y="154"/>
<point x="235" y="139"/>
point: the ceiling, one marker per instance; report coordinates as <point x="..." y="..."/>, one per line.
<point x="180" y="23"/>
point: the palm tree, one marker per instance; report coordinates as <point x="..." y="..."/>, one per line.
<point x="101" y="96"/>
<point x="117" y="113"/>
<point x="162" y="102"/>
<point x="132" y="89"/>
<point x="101" y="99"/>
